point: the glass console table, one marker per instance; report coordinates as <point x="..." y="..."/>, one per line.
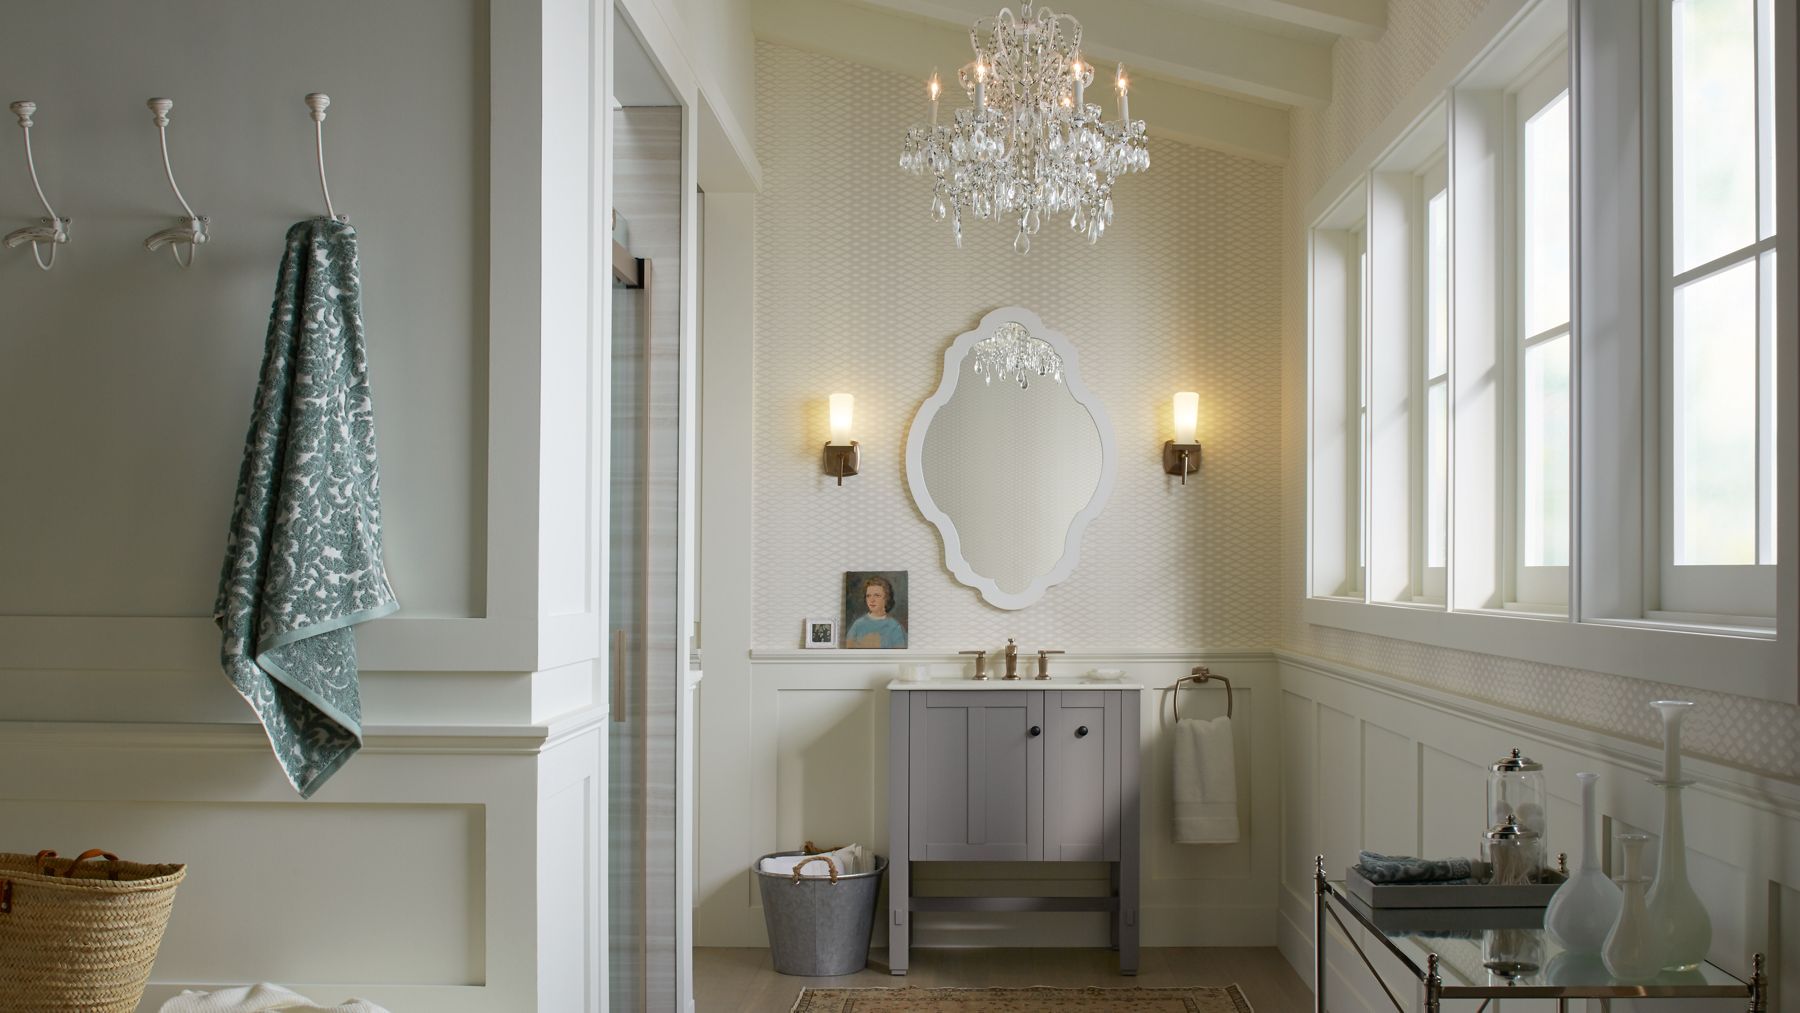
<point x="1498" y="953"/>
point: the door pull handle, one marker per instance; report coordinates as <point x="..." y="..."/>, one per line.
<point x="1081" y="733"/>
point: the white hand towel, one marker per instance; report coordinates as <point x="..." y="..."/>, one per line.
<point x="849" y="859"/>
<point x="258" y="999"/>
<point x="1205" y="779"/>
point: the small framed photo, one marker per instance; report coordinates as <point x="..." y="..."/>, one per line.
<point x="820" y="634"/>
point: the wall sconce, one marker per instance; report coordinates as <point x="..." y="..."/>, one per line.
<point x="1181" y="455"/>
<point x="842" y="455"/>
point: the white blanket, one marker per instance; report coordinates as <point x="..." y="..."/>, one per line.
<point x="261" y="998"/>
<point x="851" y="858"/>
<point x="1205" y="780"/>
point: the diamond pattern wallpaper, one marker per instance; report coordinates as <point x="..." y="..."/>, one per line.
<point x="859" y="290"/>
<point x="1368" y="79"/>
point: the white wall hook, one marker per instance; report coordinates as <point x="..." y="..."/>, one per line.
<point x="318" y="102"/>
<point x="52" y="229"/>
<point x="192" y="230"/>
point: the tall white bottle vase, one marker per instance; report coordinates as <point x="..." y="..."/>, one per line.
<point x="1683" y="928"/>
<point x="1631" y="952"/>
<point x="1584" y="909"/>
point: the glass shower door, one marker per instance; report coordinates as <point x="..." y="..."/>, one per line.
<point x="628" y="577"/>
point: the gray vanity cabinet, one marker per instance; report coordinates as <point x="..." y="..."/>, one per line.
<point x="1013" y="774"/>
<point x="1081" y="768"/>
<point x="977" y="791"/>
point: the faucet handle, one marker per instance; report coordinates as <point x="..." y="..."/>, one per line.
<point x="1044" y="663"/>
<point x="980" y="663"/>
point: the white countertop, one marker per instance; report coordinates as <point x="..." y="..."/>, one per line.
<point x="1022" y="682"/>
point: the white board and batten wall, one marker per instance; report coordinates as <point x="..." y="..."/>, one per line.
<point x="456" y="864"/>
<point x="812" y="756"/>
<point x="1369" y="761"/>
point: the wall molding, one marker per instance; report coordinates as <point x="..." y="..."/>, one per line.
<point x="880" y="658"/>
<point x="1743" y="786"/>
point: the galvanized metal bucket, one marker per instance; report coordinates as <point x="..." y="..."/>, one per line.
<point x="819" y="926"/>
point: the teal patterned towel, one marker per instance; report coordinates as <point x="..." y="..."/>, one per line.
<point x="303" y="561"/>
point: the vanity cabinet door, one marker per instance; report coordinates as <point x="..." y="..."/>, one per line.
<point x="1082" y="813"/>
<point x="977" y="775"/>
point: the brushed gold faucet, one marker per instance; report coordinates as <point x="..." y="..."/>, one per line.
<point x="980" y="664"/>
<point x="1012" y="660"/>
<point x="1044" y="663"/>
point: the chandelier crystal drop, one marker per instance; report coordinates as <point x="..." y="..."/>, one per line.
<point x="1013" y="354"/>
<point x="1029" y="146"/>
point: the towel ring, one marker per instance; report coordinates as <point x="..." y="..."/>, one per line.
<point x="1201" y="674"/>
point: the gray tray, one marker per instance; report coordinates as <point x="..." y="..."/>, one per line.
<point x="1416" y="895"/>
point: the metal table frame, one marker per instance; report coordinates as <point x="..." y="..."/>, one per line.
<point x="1329" y="898"/>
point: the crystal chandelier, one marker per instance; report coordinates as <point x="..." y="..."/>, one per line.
<point x="1030" y="145"/>
<point x="1013" y="354"/>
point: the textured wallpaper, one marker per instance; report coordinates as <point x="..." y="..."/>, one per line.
<point x="1368" y="78"/>
<point x="859" y="290"/>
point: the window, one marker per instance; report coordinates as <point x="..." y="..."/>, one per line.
<point x="1718" y="499"/>
<point x="1540" y="363"/>
<point x="1544" y="345"/>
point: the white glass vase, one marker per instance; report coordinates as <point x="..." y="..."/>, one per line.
<point x="1683" y="928"/>
<point x="1631" y="952"/>
<point x="1584" y="909"/>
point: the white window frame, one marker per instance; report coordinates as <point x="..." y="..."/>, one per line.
<point x="1733" y="595"/>
<point x="1613" y="623"/>
<point x="1430" y="583"/>
<point x="1537" y="589"/>
<point x="1336" y="402"/>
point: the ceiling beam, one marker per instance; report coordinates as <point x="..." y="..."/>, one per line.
<point x="1177" y="45"/>
<point x="1359" y="19"/>
<point x="912" y="46"/>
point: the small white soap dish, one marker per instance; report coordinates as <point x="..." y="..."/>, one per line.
<point x="1106" y="674"/>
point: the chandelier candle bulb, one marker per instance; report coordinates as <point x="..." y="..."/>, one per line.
<point x="933" y="87"/>
<point x="1080" y="70"/>
<point x="1124" y="86"/>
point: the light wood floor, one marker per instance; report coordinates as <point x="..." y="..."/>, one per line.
<point x="743" y="979"/>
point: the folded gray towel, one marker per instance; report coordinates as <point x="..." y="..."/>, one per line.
<point x="1380" y="868"/>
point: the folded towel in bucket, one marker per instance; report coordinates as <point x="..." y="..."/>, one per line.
<point x="849" y="860"/>
<point x="263" y="998"/>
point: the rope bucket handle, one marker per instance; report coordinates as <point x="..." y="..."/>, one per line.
<point x="42" y="856"/>
<point x="830" y="867"/>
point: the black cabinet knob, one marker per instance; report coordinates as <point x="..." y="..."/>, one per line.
<point x="1081" y="733"/>
<point x="1036" y="731"/>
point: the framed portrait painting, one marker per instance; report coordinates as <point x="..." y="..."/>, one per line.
<point x="875" y="609"/>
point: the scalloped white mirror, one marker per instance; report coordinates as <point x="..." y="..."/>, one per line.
<point x="1011" y="472"/>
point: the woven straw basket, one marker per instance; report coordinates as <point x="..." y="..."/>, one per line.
<point x="80" y="935"/>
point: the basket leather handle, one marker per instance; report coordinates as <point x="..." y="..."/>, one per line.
<point x="42" y="856"/>
<point x="830" y="867"/>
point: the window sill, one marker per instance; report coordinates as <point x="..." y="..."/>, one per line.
<point x="1739" y="660"/>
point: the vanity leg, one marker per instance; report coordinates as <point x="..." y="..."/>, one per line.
<point x="1759" y="986"/>
<point x="1131" y="744"/>
<point x="899" y="831"/>
<point x="1434" y="985"/>
<point x="1118" y="911"/>
<point x="1319" y="938"/>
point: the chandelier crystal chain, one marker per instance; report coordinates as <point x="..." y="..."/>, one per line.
<point x="1029" y="146"/>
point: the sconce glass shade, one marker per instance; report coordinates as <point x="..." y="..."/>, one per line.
<point x="1187" y="416"/>
<point x="843" y="408"/>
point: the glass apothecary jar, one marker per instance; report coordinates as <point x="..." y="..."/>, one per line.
<point x="1516" y="788"/>
<point x="1514" y="854"/>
